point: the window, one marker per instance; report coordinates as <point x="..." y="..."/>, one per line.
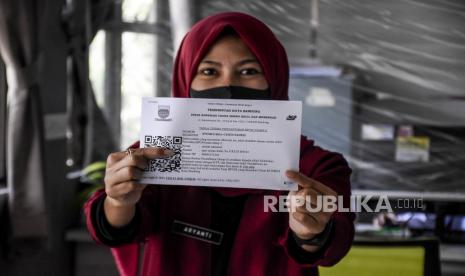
<point x="130" y="59"/>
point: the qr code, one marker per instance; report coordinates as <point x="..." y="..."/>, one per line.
<point x="170" y="164"/>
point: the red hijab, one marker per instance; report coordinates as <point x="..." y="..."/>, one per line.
<point x="256" y="35"/>
<point x="259" y="39"/>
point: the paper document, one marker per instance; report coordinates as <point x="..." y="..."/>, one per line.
<point x="222" y="143"/>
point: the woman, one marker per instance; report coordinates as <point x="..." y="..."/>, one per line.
<point x="228" y="55"/>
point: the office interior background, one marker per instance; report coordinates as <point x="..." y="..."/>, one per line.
<point x="382" y="82"/>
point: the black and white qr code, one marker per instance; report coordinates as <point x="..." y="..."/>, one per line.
<point x="170" y="164"/>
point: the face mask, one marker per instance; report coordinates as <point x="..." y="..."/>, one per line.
<point x="232" y="92"/>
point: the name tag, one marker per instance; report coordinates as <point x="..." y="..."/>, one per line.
<point x="197" y="232"/>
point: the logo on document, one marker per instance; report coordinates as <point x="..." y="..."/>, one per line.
<point x="291" y="117"/>
<point x="163" y="113"/>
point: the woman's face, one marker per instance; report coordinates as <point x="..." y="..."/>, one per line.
<point x="229" y="63"/>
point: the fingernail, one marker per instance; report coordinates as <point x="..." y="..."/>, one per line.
<point x="290" y="173"/>
<point x="137" y="174"/>
<point x="168" y="152"/>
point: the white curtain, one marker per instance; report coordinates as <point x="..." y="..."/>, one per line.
<point x="20" y="23"/>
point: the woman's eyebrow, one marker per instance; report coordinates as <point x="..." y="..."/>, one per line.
<point x="211" y="62"/>
<point x="248" y="60"/>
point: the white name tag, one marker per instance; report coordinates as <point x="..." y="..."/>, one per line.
<point x="222" y="143"/>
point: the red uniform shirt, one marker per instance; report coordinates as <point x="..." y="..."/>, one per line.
<point x="261" y="243"/>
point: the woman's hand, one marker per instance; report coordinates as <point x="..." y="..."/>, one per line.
<point x="304" y="223"/>
<point x="122" y="185"/>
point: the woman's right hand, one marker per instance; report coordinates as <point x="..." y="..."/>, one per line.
<point x="122" y="185"/>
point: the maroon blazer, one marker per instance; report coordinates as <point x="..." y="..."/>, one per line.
<point x="260" y="246"/>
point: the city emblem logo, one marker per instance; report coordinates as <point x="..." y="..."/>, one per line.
<point x="163" y="113"/>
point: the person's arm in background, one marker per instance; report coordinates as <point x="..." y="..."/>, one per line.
<point x="324" y="173"/>
<point x="111" y="213"/>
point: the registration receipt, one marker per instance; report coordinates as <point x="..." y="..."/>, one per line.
<point x="222" y="142"/>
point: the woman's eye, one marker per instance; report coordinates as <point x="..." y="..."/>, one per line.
<point x="249" y="71"/>
<point x="208" y="72"/>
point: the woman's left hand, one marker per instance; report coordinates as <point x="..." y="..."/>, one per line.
<point x="304" y="223"/>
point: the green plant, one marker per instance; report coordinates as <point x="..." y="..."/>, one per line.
<point x="92" y="177"/>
